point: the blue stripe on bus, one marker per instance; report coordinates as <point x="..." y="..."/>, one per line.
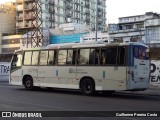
<point x="130" y="56"/>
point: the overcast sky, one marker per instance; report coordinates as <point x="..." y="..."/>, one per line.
<point x="123" y="8"/>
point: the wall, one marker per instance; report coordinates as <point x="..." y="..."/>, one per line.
<point x="72" y="38"/>
<point x="155" y="73"/>
<point x="4" y="71"/>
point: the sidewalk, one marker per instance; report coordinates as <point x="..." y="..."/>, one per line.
<point x="150" y="91"/>
<point x="4" y="82"/>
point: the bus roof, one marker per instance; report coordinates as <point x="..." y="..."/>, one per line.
<point x="83" y="45"/>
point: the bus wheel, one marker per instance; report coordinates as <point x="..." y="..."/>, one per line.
<point x="28" y="83"/>
<point x="88" y="86"/>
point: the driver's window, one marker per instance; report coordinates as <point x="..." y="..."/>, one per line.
<point x="17" y="59"/>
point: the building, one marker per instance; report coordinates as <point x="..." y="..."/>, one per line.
<point x="10" y="43"/>
<point x="34" y="13"/>
<point x="81" y="12"/>
<point x="52" y="13"/>
<point x="35" y="16"/>
<point x="68" y="33"/>
<point x="139" y="28"/>
<point x="101" y="37"/>
<point x="7" y="20"/>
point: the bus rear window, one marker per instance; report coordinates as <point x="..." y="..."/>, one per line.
<point x="141" y="52"/>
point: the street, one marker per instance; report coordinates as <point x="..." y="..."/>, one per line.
<point x="16" y="98"/>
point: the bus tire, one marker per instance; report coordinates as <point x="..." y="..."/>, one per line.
<point x="88" y="86"/>
<point x="28" y="83"/>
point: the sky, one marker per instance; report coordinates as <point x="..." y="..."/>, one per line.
<point x="124" y="8"/>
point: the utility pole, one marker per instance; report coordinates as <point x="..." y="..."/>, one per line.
<point x="96" y="25"/>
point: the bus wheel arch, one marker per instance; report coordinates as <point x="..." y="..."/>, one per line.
<point x="28" y="82"/>
<point x="87" y="85"/>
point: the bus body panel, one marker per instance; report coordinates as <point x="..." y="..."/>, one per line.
<point x="132" y="75"/>
<point x="58" y="76"/>
<point x="16" y="78"/>
<point x="106" y="77"/>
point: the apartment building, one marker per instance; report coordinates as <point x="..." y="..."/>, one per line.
<point x="81" y="12"/>
<point x="7" y="20"/>
<point x="139" y="28"/>
<point x="51" y="13"/>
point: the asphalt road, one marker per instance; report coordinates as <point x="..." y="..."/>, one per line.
<point x="16" y="98"/>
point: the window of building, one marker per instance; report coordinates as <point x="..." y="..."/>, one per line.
<point x="140" y="25"/>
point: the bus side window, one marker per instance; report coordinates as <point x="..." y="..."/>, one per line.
<point x="27" y="58"/>
<point x="103" y="57"/>
<point x="121" y="56"/>
<point x="43" y="57"/>
<point x="94" y="57"/>
<point x="74" y="57"/>
<point x="111" y="54"/>
<point x="35" y="57"/>
<point x="69" y="57"/>
<point x="84" y="56"/>
<point x="51" y="57"/>
<point x="62" y="57"/>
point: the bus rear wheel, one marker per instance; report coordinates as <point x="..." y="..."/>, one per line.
<point x="88" y="87"/>
<point x="28" y="83"/>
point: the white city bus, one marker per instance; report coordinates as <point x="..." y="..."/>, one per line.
<point x="85" y="67"/>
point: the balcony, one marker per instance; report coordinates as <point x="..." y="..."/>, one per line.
<point x="68" y="14"/>
<point x="51" y="19"/>
<point x="76" y="2"/>
<point x="100" y="20"/>
<point x="87" y="12"/>
<point x="69" y="6"/>
<point x="51" y="10"/>
<point x="99" y="2"/>
<point x="29" y="17"/>
<point x="28" y="7"/>
<point x="87" y="19"/>
<point x="31" y="1"/>
<point x="87" y="4"/>
<point x="69" y="0"/>
<point x="100" y="9"/>
<point x="29" y="25"/>
<point x="100" y="14"/>
<point x="19" y="1"/>
<point x="51" y="2"/>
